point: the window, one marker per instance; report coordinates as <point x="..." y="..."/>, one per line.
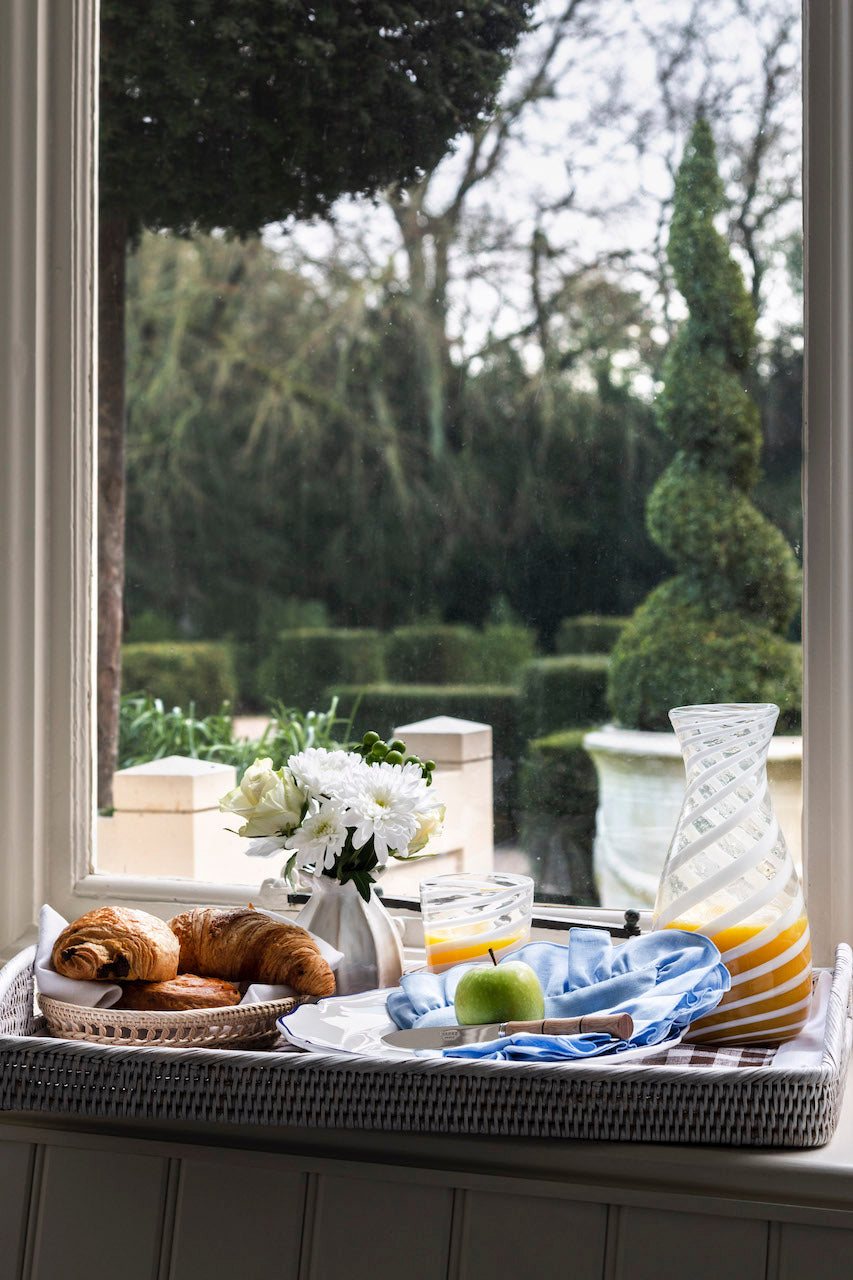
<point x="398" y="448"/>
<point x="46" y="257"/>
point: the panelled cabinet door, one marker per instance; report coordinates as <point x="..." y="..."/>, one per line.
<point x="236" y="1219"/>
<point x="654" y="1244"/>
<point x="16" y="1167"/>
<point x="364" y="1229"/>
<point x="813" y="1253"/>
<point x="99" y="1215"/>
<point x="519" y="1235"/>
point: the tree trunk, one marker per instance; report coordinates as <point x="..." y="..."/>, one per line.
<point x="112" y="249"/>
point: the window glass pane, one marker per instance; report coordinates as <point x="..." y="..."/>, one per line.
<point x="427" y="455"/>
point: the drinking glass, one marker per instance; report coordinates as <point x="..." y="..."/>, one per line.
<point x="464" y="915"/>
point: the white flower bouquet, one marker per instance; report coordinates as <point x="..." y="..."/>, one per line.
<point x="340" y="813"/>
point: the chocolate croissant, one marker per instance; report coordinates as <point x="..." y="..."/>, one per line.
<point x="187" y="991"/>
<point x="115" y="942"/>
<point x="247" y="946"/>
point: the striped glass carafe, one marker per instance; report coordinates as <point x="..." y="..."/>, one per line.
<point x="729" y="875"/>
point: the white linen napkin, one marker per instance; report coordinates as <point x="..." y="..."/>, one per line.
<point x="103" y="995"/>
<point x="806" y="1050"/>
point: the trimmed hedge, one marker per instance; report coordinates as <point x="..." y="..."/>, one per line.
<point x="563" y="693"/>
<point x="697" y="658"/>
<point x="500" y="652"/>
<point x="430" y="654"/>
<point x="588" y="633"/>
<point x="716" y="631"/>
<point x="181" y="672"/>
<point x="557" y="799"/>
<point x="453" y="654"/>
<point x="385" y="706"/>
<point x="302" y="663"/>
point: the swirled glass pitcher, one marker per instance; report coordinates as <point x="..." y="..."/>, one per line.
<point x="729" y="875"/>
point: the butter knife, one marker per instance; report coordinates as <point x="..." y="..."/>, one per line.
<point x="618" y="1025"/>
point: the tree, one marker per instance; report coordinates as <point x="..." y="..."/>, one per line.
<point x="227" y="114"/>
<point x="275" y="454"/>
<point x="715" y="631"/>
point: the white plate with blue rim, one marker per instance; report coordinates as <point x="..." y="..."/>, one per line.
<point x="356" y="1024"/>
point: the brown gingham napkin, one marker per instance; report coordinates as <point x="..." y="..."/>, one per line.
<point x="722" y="1057"/>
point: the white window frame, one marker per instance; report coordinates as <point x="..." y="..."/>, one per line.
<point x="48" y="223"/>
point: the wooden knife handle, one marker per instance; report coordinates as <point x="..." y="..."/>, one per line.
<point x="619" y="1025"/>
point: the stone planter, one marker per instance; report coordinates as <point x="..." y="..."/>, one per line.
<point x="640" y="789"/>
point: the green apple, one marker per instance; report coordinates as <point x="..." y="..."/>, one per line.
<point x="508" y="992"/>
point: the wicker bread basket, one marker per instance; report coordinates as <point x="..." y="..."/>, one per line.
<point x="246" y="1025"/>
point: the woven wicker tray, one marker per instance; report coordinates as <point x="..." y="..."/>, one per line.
<point x="246" y="1025"/>
<point x="760" y="1106"/>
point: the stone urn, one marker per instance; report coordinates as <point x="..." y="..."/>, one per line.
<point x="640" y="790"/>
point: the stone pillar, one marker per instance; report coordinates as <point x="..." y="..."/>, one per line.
<point x="462" y="751"/>
<point x="167" y="823"/>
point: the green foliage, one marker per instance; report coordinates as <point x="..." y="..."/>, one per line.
<point x="431" y="654"/>
<point x="563" y="692"/>
<point x="557" y="799"/>
<point x="291" y="731"/>
<point x="301" y="665"/>
<point x="179" y="673"/>
<point x="674" y="654"/>
<point x="708" y="633"/>
<point x="588" y="634"/>
<point x="148" y="731"/>
<point x="149" y="625"/>
<point x="223" y="113"/>
<point x="501" y="649"/>
<point x="389" y="706"/>
<point x="234" y="356"/>
<point x="274" y="614"/>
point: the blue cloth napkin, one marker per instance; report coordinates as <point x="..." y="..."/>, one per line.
<point x="664" y="980"/>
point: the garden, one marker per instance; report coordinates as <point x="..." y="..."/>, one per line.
<point x="429" y="454"/>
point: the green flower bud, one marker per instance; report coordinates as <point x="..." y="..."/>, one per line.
<point x="394" y="757"/>
<point x="370" y="738"/>
<point x="397" y="745"/>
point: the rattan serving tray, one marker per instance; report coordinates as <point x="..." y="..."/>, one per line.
<point x="755" y="1106"/>
<point x="246" y="1025"/>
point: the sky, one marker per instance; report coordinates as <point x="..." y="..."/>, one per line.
<point x="592" y="162"/>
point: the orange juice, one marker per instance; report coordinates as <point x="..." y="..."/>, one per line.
<point x="771" y="984"/>
<point x="447" y="947"/>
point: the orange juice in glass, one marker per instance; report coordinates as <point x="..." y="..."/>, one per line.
<point x="464" y="915"/>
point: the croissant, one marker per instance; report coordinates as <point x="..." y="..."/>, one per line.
<point x="245" y="945"/>
<point x="115" y="942"/>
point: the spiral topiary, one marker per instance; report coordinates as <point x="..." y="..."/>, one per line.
<point x="715" y="631"/>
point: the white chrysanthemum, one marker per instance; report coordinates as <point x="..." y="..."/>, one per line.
<point x="326" y="773"/>
<point x="388" y="804"/>
<point x="322" y="835"/>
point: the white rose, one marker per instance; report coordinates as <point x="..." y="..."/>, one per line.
<point x="269" y="799"/>
<point x="429" y="825"/>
